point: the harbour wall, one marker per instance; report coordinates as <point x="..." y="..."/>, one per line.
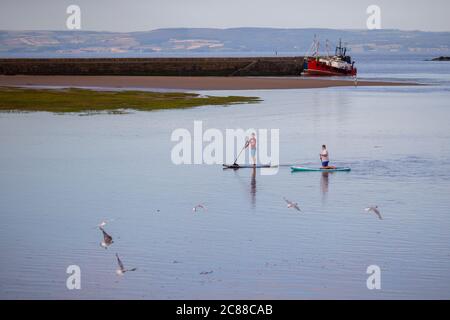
<point x="242" y="66"/>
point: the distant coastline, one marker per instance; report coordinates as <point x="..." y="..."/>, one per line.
<point x="213" y="42"/>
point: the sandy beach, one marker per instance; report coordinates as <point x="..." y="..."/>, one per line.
<point x="186" y="83"/>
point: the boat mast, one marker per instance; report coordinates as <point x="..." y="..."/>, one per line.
<point x="340" y="50"/>
<point x="316" y="47"/>
<point x="340" y="47"/>
<point x="327" y="47"/>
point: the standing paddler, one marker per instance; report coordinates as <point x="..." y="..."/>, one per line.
<point x="252" y="144"/>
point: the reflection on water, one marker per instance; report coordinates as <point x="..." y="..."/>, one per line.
<point x="324" y="184"/>
<point x="253" y="187"/>
<point x="61" y="175"/>
<point x="240" y="175"/>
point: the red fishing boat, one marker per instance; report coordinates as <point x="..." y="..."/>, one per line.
<point x="338" y="65"/>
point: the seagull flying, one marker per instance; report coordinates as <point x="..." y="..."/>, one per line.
<point x="199" y="206"/>
<point x="107" y="239"/>
<point x="375" y="210"/>
<point x="206" y="272"/>
<point x="122" y="269"/>
<point x="291" y="204"/>
<point x="103" y="223"/>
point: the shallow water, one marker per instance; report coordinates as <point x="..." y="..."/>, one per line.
<point x="63" y="174"/>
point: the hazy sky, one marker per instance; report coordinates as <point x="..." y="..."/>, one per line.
<point x="138" y="15"/>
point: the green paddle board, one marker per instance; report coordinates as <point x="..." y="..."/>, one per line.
<point x="320" y="169"/>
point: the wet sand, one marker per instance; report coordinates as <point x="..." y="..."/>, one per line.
<point x="187" y="83"/>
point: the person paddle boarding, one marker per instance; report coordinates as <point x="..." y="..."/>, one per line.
<point x="252" y="144"/>
<point x="325" y="160"/>
<point x="324" y="157"/>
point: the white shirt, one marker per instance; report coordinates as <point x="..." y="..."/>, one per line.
<point x="324" y="155"/>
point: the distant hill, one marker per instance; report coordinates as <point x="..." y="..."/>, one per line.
<point x="208" y="41"/>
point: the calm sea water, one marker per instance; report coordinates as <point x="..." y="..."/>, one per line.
<point x="60" y="175"/>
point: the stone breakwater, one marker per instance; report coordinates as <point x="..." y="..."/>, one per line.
<point x="243" y="66"/>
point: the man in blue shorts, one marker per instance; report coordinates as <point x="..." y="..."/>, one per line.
<point x="324" y="157"/>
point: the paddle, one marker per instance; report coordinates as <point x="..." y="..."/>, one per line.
<point x="245" y="146"/>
